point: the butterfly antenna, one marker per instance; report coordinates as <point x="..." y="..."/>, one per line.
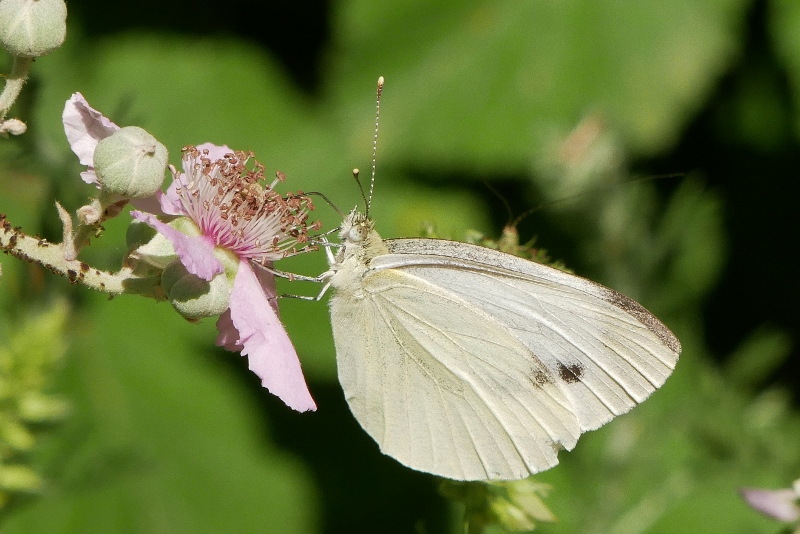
<point x="594" y="190"/>
<point x="327" y="201"/>
<point x="375" y="141"/>
<point x="356" y="174"/>
<point x="497" y="193"/>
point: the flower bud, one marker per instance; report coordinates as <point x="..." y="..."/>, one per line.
<point x="193" y="297"/>
<point x="90" y="213"/>
<point x="32" y="28"/>
<point x="130" y="163"/>
<point x="147" y="245"/>
<point x="13" y="127"/>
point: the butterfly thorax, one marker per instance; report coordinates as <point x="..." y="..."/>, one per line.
<point x="360" y="243"/>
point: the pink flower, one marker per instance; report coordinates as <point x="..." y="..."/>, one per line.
<point x="232" y="216"/>
<point x="236" y="213"/>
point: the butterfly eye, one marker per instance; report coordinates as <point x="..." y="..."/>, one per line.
<point x="358" y="233"/>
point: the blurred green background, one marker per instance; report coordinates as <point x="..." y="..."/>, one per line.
<point x="579" y="106"/>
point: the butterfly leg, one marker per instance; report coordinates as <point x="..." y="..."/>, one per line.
<point x="291" y="276"/>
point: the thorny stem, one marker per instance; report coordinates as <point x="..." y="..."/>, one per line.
<point x="14" y="83"/>
<point x="51" y="255"/>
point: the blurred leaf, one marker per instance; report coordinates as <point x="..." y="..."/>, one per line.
<point x="693" y="241"/>
<point x="753" y="112"/>
<point x="784" y="21"/>
<point x="31" y="352"/>
<point x="759" y="356"/>
<point x="479" y="84"/>
<point x="162" y="438"/>
<point x="514" y="506"/>
<point x="19" y="478"/>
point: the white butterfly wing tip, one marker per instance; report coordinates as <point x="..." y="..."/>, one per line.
<point x="643" y="316"/>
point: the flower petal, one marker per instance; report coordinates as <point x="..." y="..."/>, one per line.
<point x="267" y="281"/>
<point x="228" y="337"/>
<point x="269" y="352"/>
<point x="85" y="127"/>
<point x="215" y="152"/>
<point x="148" y="204"/>
<point x="170" y="201"/>
<point x="195" y="252"/>
<point x="779" y="504"/>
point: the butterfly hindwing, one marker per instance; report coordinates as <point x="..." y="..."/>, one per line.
<point x="439" y="394"/>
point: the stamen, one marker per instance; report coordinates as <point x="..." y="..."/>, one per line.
<point x="230" y="202"/>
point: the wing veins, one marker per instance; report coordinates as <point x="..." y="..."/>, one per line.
<point x="484" y="384"/>
<point x="451" y="434"/>
<point x="575" y="338"/>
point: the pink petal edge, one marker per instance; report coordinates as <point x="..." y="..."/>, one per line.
<point x="266" y="344"/>
<point x="170" y="201"/>
<point x="84" y="127"/>
<point x="228" y="337"/>
<point x="779" y="504"/>
<point x="215" y="152"/>
<point x="195" y="252"/>
<point x="267" y="281"/>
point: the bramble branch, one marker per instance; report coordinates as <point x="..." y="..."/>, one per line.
<point x="52" y="256"/>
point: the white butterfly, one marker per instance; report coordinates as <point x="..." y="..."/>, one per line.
<point x="473" y="364"/>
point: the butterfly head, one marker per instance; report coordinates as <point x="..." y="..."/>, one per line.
<point x="359" y="238"/>
<point x="356" y="227"/>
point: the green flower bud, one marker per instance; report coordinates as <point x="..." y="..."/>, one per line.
<point x="147" y="245"/>
<point x="130" y="163"/>
<point x="193" y="297"/>
<point x="32" y="28"/>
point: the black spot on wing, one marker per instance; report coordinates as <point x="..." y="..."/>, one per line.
<point x="540" y="377"/>
<point x="570" y="373"/>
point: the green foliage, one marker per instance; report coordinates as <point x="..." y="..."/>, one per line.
<point x="30" y="355"/>
<point x="515" y="506"/>
<point x="161" y="438"/>
<point x="557" y="97"/>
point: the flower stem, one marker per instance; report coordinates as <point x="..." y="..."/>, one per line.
<point x="51" y="256"/>
<point x="14" y="83"/>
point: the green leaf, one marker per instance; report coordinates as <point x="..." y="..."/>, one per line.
<point x="784" y="20"/>
<point x="480" y="85"/>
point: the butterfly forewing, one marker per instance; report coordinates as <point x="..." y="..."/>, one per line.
<point x="609" y="352"/>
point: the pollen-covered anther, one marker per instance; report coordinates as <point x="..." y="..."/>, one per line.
<point x="239" y="211"/>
